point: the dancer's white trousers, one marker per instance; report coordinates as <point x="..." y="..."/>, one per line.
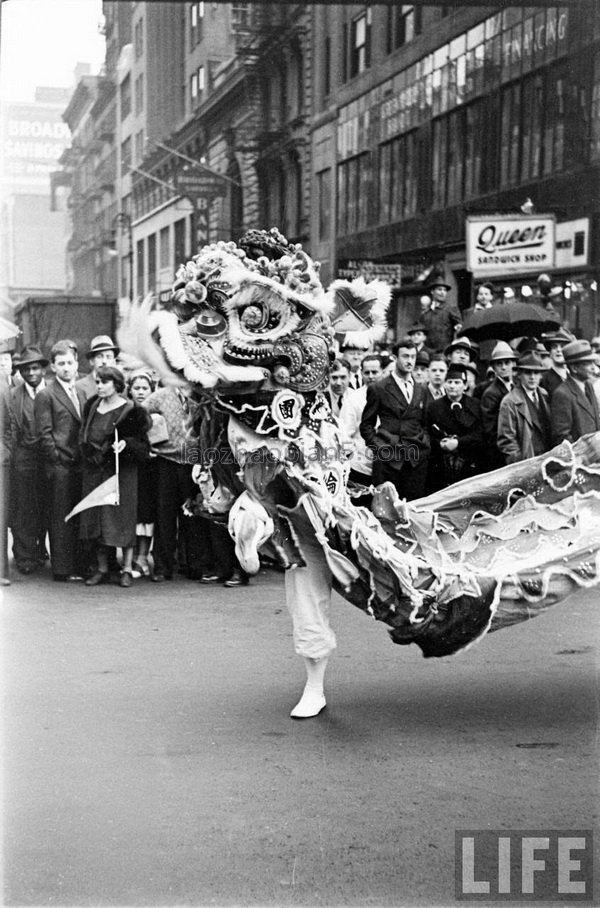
<point x="308" y="597"/>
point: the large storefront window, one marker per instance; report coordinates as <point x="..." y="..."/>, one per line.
<point x="356" y="208"/>
<point x="595" y="124"/>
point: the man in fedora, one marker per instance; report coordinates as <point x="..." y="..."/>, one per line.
<point x="555" y="342"/>
<point x="524" y="423"/>
<point x="502" y="361"/>
<point x="58" y="410"/>
<point x="442" y="320"/>
<point x="574" y="406"/>
<point x="102" y="352"/>
<point x="461" y="351"/>
<point x="27" y="483"/>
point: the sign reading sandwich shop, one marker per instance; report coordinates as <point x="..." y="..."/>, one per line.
<point x="500" y="244"/>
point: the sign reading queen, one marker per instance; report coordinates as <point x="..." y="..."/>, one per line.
<point x="499" y="244"/>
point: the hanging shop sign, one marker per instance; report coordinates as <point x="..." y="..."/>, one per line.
<point x="370" y="270"/>
<point x="573" y="243"/>
<point x="500" y="244"/>
<point x="199" y="184"/>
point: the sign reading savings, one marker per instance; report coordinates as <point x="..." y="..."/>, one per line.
<point x="509" y="244"/>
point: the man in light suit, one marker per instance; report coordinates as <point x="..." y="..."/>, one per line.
<point x="524" y="428"/>
<point x="393" y="426"/>
<point x="574" y="407"/>
<point x="58" y="411"/>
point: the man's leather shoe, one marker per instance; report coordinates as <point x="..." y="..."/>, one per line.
<point x="210" y="578"/>
<point x="25" y="568"/>
<point x="67" y="578"/>
<point x="125" y="580"/>
<point x="4" y="581"/>
<point x="98" y="577"/>
<point x="157" y="578"/>
<point x="236" y="579"/>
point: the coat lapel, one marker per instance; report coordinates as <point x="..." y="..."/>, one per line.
<point x="65" y="400"/>
<point x="581" y="397"/>
<point x="394" y="391"/>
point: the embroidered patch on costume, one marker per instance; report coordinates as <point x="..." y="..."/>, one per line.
<point x="286" y="409"/>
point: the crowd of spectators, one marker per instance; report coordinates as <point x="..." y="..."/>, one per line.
<point x="422" y="416"/>
<point x="108" y="433"/>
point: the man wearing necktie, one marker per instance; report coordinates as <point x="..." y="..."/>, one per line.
<point x="353" y="352"/>
<point x="393" y="426"/>
<point x="524" y="422"/>
<point x="339" y="379"/>
<point x="28" y="489"/>
<point x="58" y="411"/>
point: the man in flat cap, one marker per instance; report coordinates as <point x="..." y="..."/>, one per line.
<point x="27" y="482"/>
<point x="524" y="427"/>
<point x="574" y="406"/>
<point x="102" y="352"/>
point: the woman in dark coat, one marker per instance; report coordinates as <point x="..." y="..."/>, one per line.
<point x="112" y="525"/>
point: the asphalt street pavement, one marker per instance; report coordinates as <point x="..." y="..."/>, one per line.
<point x="149" y="757"/>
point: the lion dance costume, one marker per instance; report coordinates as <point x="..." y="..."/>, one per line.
<point x="249" y="329"/>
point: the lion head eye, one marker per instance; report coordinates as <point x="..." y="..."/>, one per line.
<point x="252" y="317"/>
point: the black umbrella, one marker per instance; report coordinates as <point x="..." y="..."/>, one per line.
<point x="505" y="321"/>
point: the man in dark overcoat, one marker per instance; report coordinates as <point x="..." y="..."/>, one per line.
<point x="393" y="426"/>
<point x="574" y="406"/>
<point x="524" y="428"/>
<point x="27" y="482"/>
<point x="58" y="410"/>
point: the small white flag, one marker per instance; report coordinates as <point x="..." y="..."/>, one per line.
<point x="106" y="493"/>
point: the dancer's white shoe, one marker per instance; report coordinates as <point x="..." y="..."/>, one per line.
<point x="310" y="704"/>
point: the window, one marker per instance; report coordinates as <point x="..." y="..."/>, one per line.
<point x="240" y="15"/>
<point x="125" y="91"/>
<point x="404" y="24"/>
<point x="360" y="48"/>
<point x="179" y="250"/>
<point x="151" y="263"/>
<point x="324" y="204"/>
<point x="138" y="38"/>
<point x="163" y="250"/>
<point x="139" y="94"/>
<point x="139" y="147"/>
<point x="140" y="267"/>
<point x="196" y="17"/>
<point x="355" y="178"/>
<point x="194" y="86"/>
<point x="327" y="66"/>
<point x="201" y="83"/>
<point x="595" y="113"/>
<point x="125" y="156"/>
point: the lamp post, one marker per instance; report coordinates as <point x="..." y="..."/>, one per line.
<point x="122" y="221"/>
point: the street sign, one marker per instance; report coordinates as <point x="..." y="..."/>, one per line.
<point x="500" y="244"/>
